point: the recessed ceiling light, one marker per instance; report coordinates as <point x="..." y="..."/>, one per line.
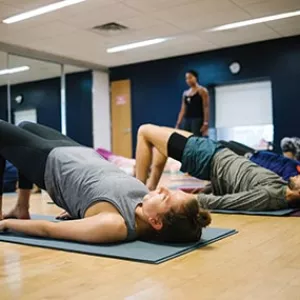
<point x="40" y="11"/>
<point x="256" y="21"/>
<point x="14" y="70"/>
<point x="136" y="45"/>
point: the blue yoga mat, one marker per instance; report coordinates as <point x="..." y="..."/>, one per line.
<point x="276" y="213"/>
<point x="136" y="251"/>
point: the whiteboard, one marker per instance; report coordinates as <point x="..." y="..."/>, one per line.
<point x="248" y="104"/>
<point x="25" y="115"/>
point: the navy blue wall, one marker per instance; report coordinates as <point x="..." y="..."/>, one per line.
<point x="157" y="86"/>
<point x="3" y="102"/>
<point x="79" y="107"/>
<point x="44" y="96"/>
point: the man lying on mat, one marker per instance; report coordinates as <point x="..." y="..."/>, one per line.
<point x="237" y="183"/>
<point x="111" y="206"/>
<point x="279" y="164"/>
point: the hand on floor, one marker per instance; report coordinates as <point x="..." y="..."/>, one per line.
<point x="64" y="216"/>
<point x="2" y="226"/>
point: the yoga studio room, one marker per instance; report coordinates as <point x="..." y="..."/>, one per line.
<point x="149" y="149"/>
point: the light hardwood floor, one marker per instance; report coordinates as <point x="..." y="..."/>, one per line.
<point x="261" y="262"/>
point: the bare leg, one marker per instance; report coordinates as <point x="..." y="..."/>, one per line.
<point x="157" y="167"/>
<point x="21" y="210"/>
<point x="152" y="136"/>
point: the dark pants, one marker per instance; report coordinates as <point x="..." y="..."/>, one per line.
<point x="238" y="148"/>
<point x="193" y="125"/>
<point x="195" y="153"/>
<point x="27" y="147"/>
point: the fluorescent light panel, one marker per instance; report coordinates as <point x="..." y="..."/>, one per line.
<point x="257" y="21"/>
<point x="136" y="45"/>
<point x="40" y="11"/>
<point x="14" y="70"/>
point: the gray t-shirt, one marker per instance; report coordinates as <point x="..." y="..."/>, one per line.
<point x="77" y="177"/>
<point x="239" y="184"/>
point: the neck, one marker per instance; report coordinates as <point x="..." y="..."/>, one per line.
<point x="194" y="85"/>
<point x="141" y="225"/>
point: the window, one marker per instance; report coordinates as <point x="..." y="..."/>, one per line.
<point x="244" y="114"/>
<point x="25" y="115"/>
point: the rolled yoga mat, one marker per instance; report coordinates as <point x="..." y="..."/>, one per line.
<point x="135" y="251"/>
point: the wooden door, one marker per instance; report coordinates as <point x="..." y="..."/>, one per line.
<point x="121" y="118"/>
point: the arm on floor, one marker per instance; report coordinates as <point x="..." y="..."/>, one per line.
<point x="102" y="228"/>
<point x="254" y="200"/>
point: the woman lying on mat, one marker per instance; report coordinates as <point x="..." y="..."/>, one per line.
<point x="111" y="206"/>
<point x="237" y="183"/>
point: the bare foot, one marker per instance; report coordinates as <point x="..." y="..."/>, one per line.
<point x="17" y="213"/>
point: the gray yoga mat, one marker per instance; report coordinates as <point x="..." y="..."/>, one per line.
<point x="276" y="213"/>
<point x="136" y="251"/>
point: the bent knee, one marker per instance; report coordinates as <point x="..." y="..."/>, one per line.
<point x="145" y="129"/>
<point x="23" y="124"/>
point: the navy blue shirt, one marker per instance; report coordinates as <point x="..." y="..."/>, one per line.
<point x="10" y="178"/>
<point x="282" y="166"/>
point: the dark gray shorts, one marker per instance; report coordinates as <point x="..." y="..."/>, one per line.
<point x="195" y="154"/>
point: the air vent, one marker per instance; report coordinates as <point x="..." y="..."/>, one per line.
<point x="110" y="27"/>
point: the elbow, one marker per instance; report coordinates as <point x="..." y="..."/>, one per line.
<point x="48" y="230"/>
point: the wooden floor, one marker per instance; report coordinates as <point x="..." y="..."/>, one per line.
<point x="261" y="262"/>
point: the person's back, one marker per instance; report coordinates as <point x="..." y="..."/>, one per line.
<point x="75" y="183"/>
<point x="282" y="166"/>
<point x="252" y="187"/>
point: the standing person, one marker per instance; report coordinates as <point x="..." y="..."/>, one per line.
<point x="194" y="113"/>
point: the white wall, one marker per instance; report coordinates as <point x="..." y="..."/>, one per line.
<point x="101" y="111"/>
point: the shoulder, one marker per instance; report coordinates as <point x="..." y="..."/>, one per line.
<point x="202" y="90"/>
<point x="115" y="224"/>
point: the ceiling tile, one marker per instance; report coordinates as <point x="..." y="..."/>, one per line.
<point x="28" y="4"/>
<point x="211" y="20"/>
<point x="145" y="34"/>
<point x="286" y="27"/>
<point x="155" y="5"/>
<point x="54" y="28"/>
<point x="85" y="7"/>
<point x="246" y="2"/>
<point x="240" y="35"/>
<point x="271" y="7"/>
<point x="196" y="9"/>
<point x="7" y="11"/>
<point x="141" y="22"/>
<point x="101" y="15"/>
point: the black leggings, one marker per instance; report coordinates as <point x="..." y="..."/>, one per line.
<point x="238" y="148"/>
<point x="27" y="147"/>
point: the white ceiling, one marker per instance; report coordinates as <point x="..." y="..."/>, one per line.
<point x="38" y="69"/>
<point x="68" y="33"/>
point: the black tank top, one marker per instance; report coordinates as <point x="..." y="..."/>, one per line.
<point x="194" y="106"/>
